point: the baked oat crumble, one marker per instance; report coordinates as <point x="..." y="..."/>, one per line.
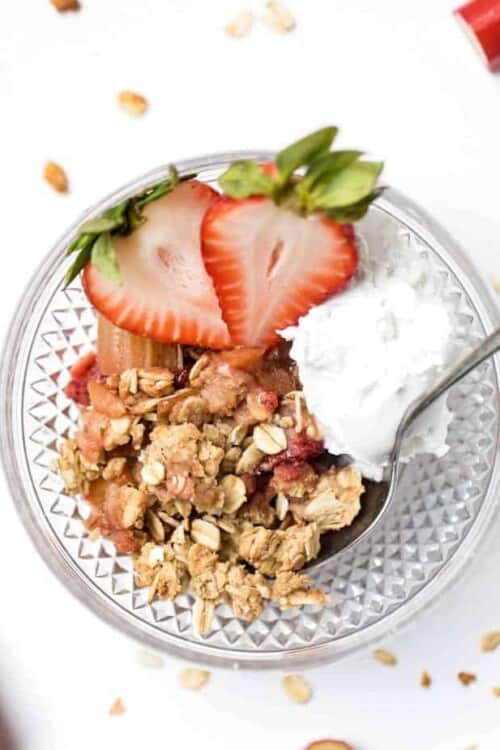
<point x="205" y="488"/>
<point x="297" y="688"/>
<point x="490" y="641"/>
<point x="133" y="104"/>
<point x="55" y="176"/>
<point x="241" y="24"/>
<point x="466" y="678"/>
<point x="425" y="679"/>
<point x="192" y="678"/>
<point x="117" y="708"/>
<point x="64" y="5"/>
<point x="150" y="659"/>
<point x="385" y="657"/>
<point x="278" y="17"/>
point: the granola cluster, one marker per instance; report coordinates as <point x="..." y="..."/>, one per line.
<point x="214" y="477"/>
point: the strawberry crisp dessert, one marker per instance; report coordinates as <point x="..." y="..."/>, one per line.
<point x="197" y="452"/>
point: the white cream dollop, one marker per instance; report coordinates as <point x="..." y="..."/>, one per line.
<point x="365" y="354"/>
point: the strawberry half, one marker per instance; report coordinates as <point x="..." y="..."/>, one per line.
<point x="163" y="290"/>
<point x="270" y="265"/>
<point x="278" y="242"/>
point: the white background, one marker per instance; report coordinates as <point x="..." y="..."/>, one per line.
<point x="403" y="82"/>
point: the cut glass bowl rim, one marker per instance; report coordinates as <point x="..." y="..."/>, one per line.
<point x="18" y="342"/>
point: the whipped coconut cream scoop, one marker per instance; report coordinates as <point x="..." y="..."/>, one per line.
<point x="367" y="353"/>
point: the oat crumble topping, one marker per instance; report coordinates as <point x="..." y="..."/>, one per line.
<point x="212" y="487"/>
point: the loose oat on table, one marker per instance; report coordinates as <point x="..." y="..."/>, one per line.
<point x="466" y="678"/>
<point x="150" y="659"/>
<point x="496" y="691"/>
<point x="117" y="708"/>
<point x="490" y="641"/>
<point x="241" y="24"/>
<point x="278" y="17"/>
<point x="55" y="176"/>
<point x="64" y="5"/>
<point x="385" y="657"/>
<point x="132" y="103"/>
<point x="297" y="688"/>
<point x="496" y="285"/>
<point x="425" y="679"/>
<point x="192" y="678"/>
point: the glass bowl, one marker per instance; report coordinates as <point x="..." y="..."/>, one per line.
<point x="419" y="546"/>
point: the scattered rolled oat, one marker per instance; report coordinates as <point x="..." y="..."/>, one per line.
<point x="150" y="659"/>
<point x="117" y="708"/>
<point x="277" y="17"/>
<point x="466" y="678"/>
<point x="55" y="176"/>
<point x="241" y="25"/>
<point x="385" y="657"/>
<point x="496" y="285"/>
<point x="329" y="745"/>
<point x="270" y="439"/>
<point x="64" y="5"/>
<point x="425" y="679"/>
<point x="132" y="103"/>
<point x="297" y="688"/>
<point x="193" y="679"/>
<point x="496" y="691"/>
<point x="490" y="641"/>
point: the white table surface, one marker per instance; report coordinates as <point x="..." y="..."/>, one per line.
<point x="402" y="81"/>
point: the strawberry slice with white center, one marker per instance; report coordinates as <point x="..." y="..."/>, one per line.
<point x="164" y="291"/>
<point x="270" y="265"/>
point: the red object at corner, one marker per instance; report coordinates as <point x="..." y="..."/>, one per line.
<point x="481" y="21"/>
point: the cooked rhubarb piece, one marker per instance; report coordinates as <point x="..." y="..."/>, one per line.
<point x="119" y="350"/>
<point x="83" y="370"/>
<point x="481" y="22"/>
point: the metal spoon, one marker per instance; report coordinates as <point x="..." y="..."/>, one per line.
<point x="379" y="495"/>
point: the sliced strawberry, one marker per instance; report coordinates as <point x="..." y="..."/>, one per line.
<point x="270" y="266"/>
<point x="165" y="292"/>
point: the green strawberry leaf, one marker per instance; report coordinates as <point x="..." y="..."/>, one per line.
<point x="304" y="151"/>
<point x="356" y="211"/>
<point x="104" y="258"/>
<point x="320" y="167"/>
<point x="158" y="191"/>
<point x="245" y="178"/>
<point x="78" y="264"/>
<point x="96" y="226"/>
<point x="94" y="239"/>
<point x="345" y="187"/>
<point x="80" y="243"/>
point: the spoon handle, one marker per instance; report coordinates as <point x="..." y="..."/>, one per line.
<point x="452" y="375"/>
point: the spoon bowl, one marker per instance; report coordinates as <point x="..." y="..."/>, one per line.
<point x="379" y="495"/>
